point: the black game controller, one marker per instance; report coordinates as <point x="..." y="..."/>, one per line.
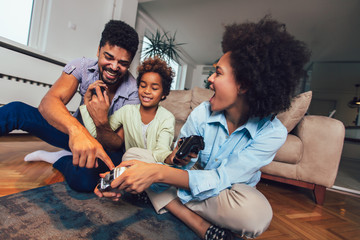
<point x="193" y="144"/>
<point x="93" y="91"/>
<point x="105" y="182"/>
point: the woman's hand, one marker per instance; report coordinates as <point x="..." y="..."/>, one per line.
<point x="184" y="161"/>
<point x="140" y="175"/>
<point x="173" y="160"/>
<point x="137" y="177"/>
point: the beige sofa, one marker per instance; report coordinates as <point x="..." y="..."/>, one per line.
<point x="311" y="154"/>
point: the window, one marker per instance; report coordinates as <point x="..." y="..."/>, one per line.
<point x="174" y="65"/>
<point x="15" y="19"/>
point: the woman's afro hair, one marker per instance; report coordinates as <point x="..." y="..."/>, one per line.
<point x="267" y="61"/>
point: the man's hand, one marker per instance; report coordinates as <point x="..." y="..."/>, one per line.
<point x="92" y="87"/>
<point x="84" y="147"/>
<point x="86" y="150"/>
<point x="115" y="196"/>
<point x="97" y="104"/>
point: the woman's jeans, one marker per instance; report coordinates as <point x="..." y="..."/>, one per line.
<point x="18" y="115"/>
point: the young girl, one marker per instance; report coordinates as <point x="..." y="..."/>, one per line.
<point x="255" y="79"/>
<point x="146" y="125"/>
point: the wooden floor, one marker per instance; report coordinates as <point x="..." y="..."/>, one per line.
<point x="296" y="216"/>
<point x="16" y="175"/>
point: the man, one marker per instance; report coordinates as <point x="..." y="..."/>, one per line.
<point x="55" y="125"/>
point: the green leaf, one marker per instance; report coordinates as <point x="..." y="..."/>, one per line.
<point x="163" y="46"/>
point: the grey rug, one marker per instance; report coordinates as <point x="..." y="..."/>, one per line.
<point x="57" y="212"/>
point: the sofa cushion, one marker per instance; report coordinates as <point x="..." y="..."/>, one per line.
<point x="178" y="103"/>
<point x="200" y="95"/>
<point x="299" y="106"/>
<point x="178" y="126"/>
<point x="292" y="150"/>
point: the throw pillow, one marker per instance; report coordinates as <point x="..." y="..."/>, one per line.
<point x="178" y="103"/>
<point x="299" y="106"/>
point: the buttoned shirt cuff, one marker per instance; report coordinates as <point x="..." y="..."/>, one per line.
<point x="202" y="183"/>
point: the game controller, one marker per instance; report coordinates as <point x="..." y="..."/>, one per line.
<point x="193" y="144"/>
<point x="105" y="182"/>
<point x="93" y="91"/>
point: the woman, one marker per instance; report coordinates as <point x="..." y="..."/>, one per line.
<point x="254" y="80"/>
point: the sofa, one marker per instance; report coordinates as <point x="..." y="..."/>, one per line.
<point x="311" y="154"/>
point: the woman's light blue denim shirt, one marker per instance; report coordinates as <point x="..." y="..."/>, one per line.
<point x="228" y="159"/>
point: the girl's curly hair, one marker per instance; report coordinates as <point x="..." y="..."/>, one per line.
<point x="267" y="61"/>
<point x="159" y="66"/>
<point x="119" y="33"/>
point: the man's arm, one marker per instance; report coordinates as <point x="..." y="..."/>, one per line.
<point x="84" y="147"/>
<point x="98" y="107"/>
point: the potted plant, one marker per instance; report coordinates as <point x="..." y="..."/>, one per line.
<point x="163" y="46"/>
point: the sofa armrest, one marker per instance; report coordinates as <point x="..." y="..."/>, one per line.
<point x="323" y="140"/>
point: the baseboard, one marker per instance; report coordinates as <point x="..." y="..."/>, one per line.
<point x="345" y="190"/>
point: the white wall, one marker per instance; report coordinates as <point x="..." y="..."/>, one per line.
<point x="27" y="67"/>
<point x="75" y="27"/>
<point x="72" y="30"/>
<point x="21" y="65"/>
<point x="199" y="76"/>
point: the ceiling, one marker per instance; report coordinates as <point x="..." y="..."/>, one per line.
<point x="330" y="28"/>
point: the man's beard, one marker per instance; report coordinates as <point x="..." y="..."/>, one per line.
<point x="117" y="80"/>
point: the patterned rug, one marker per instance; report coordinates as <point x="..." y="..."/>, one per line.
<point x="57" y="212"/>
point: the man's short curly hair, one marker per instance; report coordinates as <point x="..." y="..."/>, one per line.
<point x="267" y="61"/>
<point x="159" y="66"/>
<point x="119" y="33"/>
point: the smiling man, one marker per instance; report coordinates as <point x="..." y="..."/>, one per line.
<point x="106" y="85"/>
